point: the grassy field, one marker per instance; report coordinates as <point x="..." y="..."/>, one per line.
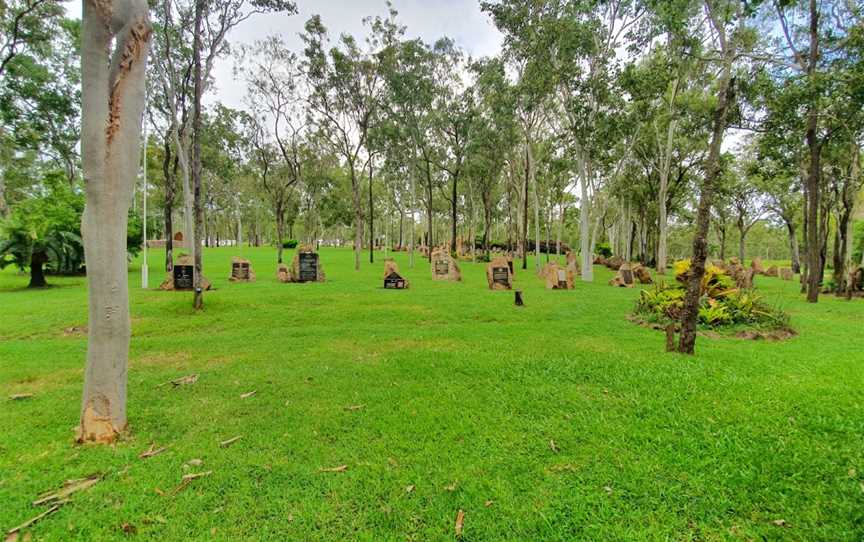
<point x="441" y="398"/>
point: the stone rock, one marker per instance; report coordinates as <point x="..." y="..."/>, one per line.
<point x="557" y="277"/>
<point x="786" y="273"/>
<point x="572" y="263"/>
<point x="615" y="262"/>
<point x="392" y="279"/>
<point x="642" y="274"/>
<point x="624" y="277"/>
<point x="306" y="266"/>
<point x="183" y="272"/>
<point x="241" y="270"/>
<point x="499" y="274"/>
<point x="444" y="267"/>
<point x="282" y="273"/>
<point x="757" y="267"/>
<point x="772" y="272"/>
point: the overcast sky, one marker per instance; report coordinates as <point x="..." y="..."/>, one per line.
<point x="461" y="20"/>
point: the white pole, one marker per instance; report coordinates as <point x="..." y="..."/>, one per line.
<point x="145" y="271"/>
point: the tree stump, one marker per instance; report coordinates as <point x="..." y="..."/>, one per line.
<point x="519" y="301"/>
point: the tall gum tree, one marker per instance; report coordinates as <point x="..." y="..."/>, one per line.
<point x="111" y="113"/>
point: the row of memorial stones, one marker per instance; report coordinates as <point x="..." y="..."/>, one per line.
<point x="306" y="267"/>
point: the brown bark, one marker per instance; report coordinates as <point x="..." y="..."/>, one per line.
<point x="814" y="180"/>
<point x="690" y="313"/>
<point x="112" y="103"/>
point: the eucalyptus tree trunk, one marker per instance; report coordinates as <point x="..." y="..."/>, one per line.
<point x="4" y="207"/>
<point x="725" y="99"/>
<point x="815" y="263"/>
<point x="665" y="167"/>
<point x="198" y="297"/>
<point x="530" y="157"/>
<point x="112" y="103"/>
<point x="358" y="216"/>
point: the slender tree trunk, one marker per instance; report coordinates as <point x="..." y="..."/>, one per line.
<point x="584" y="227"/>
<point x="814" y="256"/>
<point x="742" y="245"/>
<point x="525" y="212"/>
<point x="371" y="217"/>
<point x="112" y="103"/>
<point x="430" y="238"/>
<point x="358" y="216"/>
<point x="690" y="313"/>
<point x="170" y="181"/>
<point x="793" y="247"/>
<point x="4" y="207"/>
<point x="530" y="157"/>
<point x="454" y="216"/>
<point x="198" y="298"/>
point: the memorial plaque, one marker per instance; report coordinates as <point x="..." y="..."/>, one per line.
<point x="183" y="277"/>
<point x="240" y="270"/>
<point x="308" y="267"/>
<point x="501" y="275"/>
<point x="442" y="267"/>
<point x="394" y="281"/>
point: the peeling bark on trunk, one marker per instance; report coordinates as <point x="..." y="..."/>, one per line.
<point x="112" y="103"/>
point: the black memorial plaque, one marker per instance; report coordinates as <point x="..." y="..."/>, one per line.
<point x="442" y="267"/>
<point x="308" y="267"/>
<point x="501" y="275"/>
<point x="240" y="270"/>
<point x="183" y="277"/>
<point x="394" y="281"/>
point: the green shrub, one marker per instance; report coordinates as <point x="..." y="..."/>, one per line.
<point x="603" y="249"/>
<point x="290" y="243"/>
<point x="721" y="305"/>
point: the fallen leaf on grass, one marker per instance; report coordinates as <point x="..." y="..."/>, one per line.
<point x="607" y="489"/>
<point x="247" y="395"/>
<point x="150" y="452"/>
<point x="452" y="487"/>
<point x="158" y="491"/>
<point x="194" y="462"/>
<point x="20" y="396"/>
<point x="128" y="528"/>
<point x="409" y="489"/>
<point x="487" y="504"/>
<point x="552" y="446"/>
<point x="460" y="520"/>
<point x="69" y="487"/>
<point x="229" y="442"/>
<point x="188" y="478"/>
<point x="354" y="407"/>
<point x="780" y="523"/>
<point x="15" y="530"/>
<point x="182" y="381"/>
<point x="340" y="468"/>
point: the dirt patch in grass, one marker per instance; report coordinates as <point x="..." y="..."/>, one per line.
<point x="746" y="334"/>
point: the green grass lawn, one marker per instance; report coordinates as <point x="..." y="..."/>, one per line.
<point x="459" y="393"/>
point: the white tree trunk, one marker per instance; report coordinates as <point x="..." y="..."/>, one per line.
<point x="112" y="103"/>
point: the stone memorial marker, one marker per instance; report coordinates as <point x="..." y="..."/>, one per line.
<point x="306" y="266"/>
<point x="182" y="276"/>
<point x="624" y="277"/>
<point x="557" y="277"/>
<point x="757" y="266"/>
<point x="772" y="271"/>
<point x="444" y="267"/>
<point x="786" y="273"/>
<point x="392" y="279"/>
<point x="499" y="275"/>
<point x="241" y="270"/>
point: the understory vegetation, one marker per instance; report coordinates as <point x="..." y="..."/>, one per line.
<point x="722" y="305"/>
